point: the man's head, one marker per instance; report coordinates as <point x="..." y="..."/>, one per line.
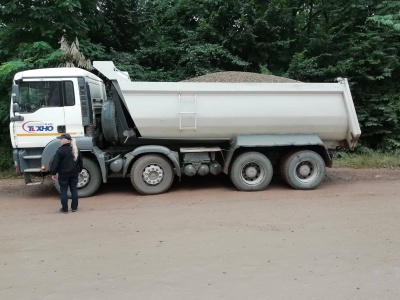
<point x="64" y="138"/>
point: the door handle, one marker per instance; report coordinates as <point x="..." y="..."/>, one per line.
<point x="61" y="128"/>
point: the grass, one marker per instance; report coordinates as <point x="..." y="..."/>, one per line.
<point x="6" y="174"/>
<point x="368" y="160"/>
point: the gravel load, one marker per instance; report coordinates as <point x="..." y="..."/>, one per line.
<point x="239" y="77"/>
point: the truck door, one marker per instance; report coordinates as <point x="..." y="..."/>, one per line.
<point x="42" y="104"/>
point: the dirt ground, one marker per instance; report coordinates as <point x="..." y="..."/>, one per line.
<point x="205" y="240"/>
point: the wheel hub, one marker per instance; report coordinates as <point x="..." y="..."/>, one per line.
<point x="153" y="174"/>
<point x="251" y="172"/>
<point x="83" y="178"/>
<point x="304" y="170"/>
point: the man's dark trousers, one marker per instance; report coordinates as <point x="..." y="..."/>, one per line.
<point x="70" y="182"/>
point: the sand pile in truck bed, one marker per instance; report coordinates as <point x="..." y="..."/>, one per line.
<point x="239" y="77"/>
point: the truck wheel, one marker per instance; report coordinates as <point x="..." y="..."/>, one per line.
<point x="108" y="121"/>
<point x="283" y="159"/>
<point x="304" y="170"/>
<point x="89" y="179"/>
<point x="152" y="174"/>
<point x="251" y="171"/>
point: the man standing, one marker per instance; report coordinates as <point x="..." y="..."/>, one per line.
<point x="66" y="165"/>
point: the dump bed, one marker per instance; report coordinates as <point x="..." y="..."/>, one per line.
<point x="224" y="110"/>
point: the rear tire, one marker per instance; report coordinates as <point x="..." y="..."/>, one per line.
<point x="152" y="174"/>
<point x="303" y="170"/>
<point x="282" y="172"/>
<point x="251" y="171"/>
<point x="89" y="179"/>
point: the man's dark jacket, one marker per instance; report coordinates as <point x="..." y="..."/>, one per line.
<point x="64" y="164"/>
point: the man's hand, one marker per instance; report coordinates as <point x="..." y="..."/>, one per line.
<point x="54" y="177"/>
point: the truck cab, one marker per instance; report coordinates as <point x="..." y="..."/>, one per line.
<point x="46" y="103"/>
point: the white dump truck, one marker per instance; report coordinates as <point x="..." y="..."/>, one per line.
<point x="155" y="132"/>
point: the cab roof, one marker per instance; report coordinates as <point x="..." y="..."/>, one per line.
<point x="55" y="73"/>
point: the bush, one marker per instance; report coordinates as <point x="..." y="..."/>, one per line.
<point x="6" y="160"/>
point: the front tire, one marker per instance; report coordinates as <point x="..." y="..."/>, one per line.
<point x="303" y="170"/>
<point x="89" y="179"/>
<point x="251" y="171"/>
<point x="152" y="174"/>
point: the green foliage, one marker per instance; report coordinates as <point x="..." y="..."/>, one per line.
<point x="302" y="68"/>
<point x="365" y="52"/>
<point x="162" y="40"/>
<point x="30" y="21"/>
<point x="7" y="71"/>
<point x="388" y="14"/>
<point x="4" y="116"/>
<point x="118" y="25"/>
<point x="6" y="161"/>
<point x="91" y="51"/>
<point x="36" y="55"/>
<point x="129" y="62"/>
<point x="264" y="70"/>
<point x="206" y="58"/>
<point x="30" y="33"/>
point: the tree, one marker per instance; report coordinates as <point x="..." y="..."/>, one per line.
<point x="388" y="14"/>
<point x="30" y="35"/>
<point x="117" y="25"/>
<point x="30" y="21"/>
<point x="310" y="40"/>
<point x="366" y="53"/>
<point x="174" y="41"/>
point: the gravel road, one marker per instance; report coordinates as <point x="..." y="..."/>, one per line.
<point x="205" y="240"/>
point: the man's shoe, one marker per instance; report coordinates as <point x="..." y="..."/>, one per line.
<point x="74" y="210"/>
<point x="64" y="212"/>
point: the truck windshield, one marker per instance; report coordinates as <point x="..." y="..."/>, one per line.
<point x="37" y="94"/>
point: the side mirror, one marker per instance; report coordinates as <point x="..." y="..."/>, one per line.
<point x="17" y="116"/>
<point x="15" y="107"/>
<point x="14" y="98"/>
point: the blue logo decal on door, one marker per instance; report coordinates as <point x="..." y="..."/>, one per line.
<point x="37" y="126"/>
